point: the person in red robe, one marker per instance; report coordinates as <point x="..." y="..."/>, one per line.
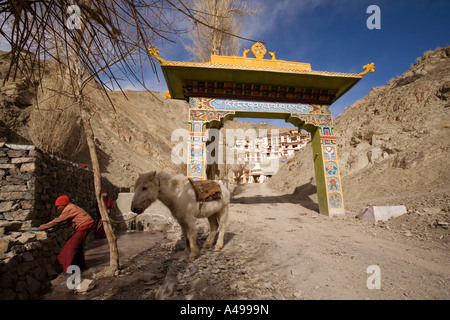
<point x="100" y="230"/>
<point x="72" y="252"/>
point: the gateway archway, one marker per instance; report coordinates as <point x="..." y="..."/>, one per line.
<point x="231" y="86"/>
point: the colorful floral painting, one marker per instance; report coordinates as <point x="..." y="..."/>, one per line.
<point x="333" y="184"/>
<point x="331" y="168"/>
<point x="196" y="168"/>
<point x="335" y="200"/>
<point x="329" y="153"/>
<point x="196" y="151"/>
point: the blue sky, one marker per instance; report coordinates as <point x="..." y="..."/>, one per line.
<point x="332" y="35"/>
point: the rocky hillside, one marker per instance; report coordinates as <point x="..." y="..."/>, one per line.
<point x="394" y="144"/>
<point x="133" y="134"/>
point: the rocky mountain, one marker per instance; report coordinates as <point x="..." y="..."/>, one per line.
<point x="393" y="145"/>
<point x="133" y="130"/>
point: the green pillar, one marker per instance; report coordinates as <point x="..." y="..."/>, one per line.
<point x="201" y="115"/>
<point x="328" y="180"/>
<point x="196" y="162"/>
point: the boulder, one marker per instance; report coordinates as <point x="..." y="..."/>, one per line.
<point x="26" y="237"/>
<point x="85" y="286"/>
<point x="11" y="225"/>
<point x="5" y="244"/>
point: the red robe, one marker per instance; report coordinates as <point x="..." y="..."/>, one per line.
<point x="100" y="230"/>
<point x="73" y="251"/>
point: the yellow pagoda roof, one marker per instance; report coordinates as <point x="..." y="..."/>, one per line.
<point x="243" y="77"/>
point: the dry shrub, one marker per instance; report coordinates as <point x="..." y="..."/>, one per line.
<point x="55" y="124"/>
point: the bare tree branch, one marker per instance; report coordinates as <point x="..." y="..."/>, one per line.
<point x="101" y="40"/>
<point x="216" y="26"/>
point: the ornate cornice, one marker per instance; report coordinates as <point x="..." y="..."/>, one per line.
<point x="254" y="64"/>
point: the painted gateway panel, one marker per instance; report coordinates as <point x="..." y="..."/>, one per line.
<point x="230" y="86"/>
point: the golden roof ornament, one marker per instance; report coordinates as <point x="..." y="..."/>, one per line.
<point x="368" y="68"/>
<point x="155" y="53"/>
<point x="259" y="50"/>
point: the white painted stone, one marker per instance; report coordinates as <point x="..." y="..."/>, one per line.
<point x="153" y="222"/>
<point x="123" y="202"/>
<point x="157" y="217"/>
<point x="381" y="213"/>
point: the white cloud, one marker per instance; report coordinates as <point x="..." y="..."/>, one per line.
<point x="274" y="12"/>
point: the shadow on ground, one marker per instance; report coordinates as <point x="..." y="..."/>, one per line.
<point x="301" y="195"/>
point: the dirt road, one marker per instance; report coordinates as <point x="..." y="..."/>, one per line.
<point x="327" y="258"/>
<point x="275" y="248"/>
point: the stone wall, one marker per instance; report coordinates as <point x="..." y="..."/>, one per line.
<point x="30" y="182"/>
